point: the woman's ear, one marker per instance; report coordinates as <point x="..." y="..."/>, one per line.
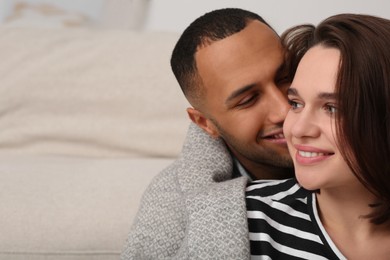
<point x="203" y="122"/>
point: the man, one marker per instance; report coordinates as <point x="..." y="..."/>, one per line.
<point x="229" y="64"/>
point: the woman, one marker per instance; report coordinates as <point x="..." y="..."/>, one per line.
<point x="338" y="133"/>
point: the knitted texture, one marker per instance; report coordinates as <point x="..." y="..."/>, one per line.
<point x="192" y="209"/>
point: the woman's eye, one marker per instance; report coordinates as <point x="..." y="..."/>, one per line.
<point x="294" y="105"/>
<point x="330" y="108"/>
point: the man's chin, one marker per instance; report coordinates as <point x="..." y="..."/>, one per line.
<point x="279" y="157"/>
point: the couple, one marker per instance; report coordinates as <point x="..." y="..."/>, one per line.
<point x="329" y="88"/>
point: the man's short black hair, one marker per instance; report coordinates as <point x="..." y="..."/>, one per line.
<point x="212" y="26"/>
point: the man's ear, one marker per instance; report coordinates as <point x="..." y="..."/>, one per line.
<point x="203" y="122"/>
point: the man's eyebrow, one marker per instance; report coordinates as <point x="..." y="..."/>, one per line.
<point x="238" y="92"/>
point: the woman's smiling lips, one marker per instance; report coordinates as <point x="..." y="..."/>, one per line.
<point x="307" y="155"/>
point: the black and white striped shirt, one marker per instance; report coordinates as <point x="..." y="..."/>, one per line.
<point x="284" y="223"/>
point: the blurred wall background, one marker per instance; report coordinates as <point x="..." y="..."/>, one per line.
<point x="102" y="14"/>
<point x="172" y="15"/>
<point x="281" y="14"/>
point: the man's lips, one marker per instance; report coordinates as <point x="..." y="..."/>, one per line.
<point x="275" y="137"/>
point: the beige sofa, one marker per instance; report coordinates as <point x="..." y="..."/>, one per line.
<point x="87" y="118"/>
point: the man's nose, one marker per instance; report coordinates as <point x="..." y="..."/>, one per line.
<point x="279" y="106"/>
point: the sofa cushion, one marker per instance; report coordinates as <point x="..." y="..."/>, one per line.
<point x="57" y="207"/>
<point x="92" y="93"/>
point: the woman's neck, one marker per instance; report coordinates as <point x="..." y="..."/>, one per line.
<point x="345" y="206"/>
<point x="343" y="214"/>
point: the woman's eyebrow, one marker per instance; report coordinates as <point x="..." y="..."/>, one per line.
<point x="321" y="95"/>
<point x="292" y="92"/>
<point x="327" y="95"/>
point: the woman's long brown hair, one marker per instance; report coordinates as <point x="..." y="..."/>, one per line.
<point x="363" y="90"/>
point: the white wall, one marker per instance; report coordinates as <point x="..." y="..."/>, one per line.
<point x="88" y="7"/>
<point x="116" y="14"/>
<point x="175" y="15"/>
<point x="5" y="7"/>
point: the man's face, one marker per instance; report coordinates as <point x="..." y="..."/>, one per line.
<point x="243" y="103"/>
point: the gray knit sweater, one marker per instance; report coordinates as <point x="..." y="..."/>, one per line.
<point x="193" y="209"/>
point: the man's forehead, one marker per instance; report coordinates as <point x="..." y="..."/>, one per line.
<point x="241" y="46"/>
<point x="238" y="61"/>
<point x="255" y="29"/>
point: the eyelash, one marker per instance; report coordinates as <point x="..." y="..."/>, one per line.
<point x="330" y="109"/>
<point x="248" y="101"/>
<point x="294" y="105"/>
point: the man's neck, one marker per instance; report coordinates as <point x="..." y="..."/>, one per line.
<point x="260" y="171"/>
<point x="267" y="172"/>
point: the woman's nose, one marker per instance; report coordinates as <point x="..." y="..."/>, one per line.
<point x="304" y="124"/>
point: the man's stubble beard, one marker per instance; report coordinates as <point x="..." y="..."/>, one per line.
<point x="259" y="154"/>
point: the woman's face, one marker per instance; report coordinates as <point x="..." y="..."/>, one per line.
<point x="309" y="127"/>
